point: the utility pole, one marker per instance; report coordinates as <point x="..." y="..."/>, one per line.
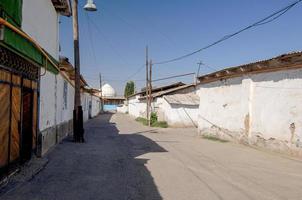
<point x="78" y="129"/>
<point x="199" y="65"/>
<point x="150" y="92"/>
<point x="102" y="102"/>
<point x="147" y="85"/>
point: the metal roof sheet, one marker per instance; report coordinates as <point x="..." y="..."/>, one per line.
<point x="284" y="61"/>
<point x="184" y="99"/>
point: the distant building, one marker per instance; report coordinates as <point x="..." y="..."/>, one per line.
<point x="110" y="100"/>
<point x="177" y="104"/>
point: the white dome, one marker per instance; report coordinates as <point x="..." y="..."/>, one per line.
<point x="108" y="91"/>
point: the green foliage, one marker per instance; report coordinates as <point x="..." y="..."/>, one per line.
<point x="213" y="138"/>
<point x="154" y="122"/>
<point x="129" y="89"/>
<point x="153" y="118"/>
<point x="161" y="124"/>
<point x="142" y="120"/>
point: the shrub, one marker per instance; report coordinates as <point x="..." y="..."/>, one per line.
<point x="153" y="118"/>
<point x="154" y="122"/>
<point x="161" y="124"/>
<point x="142" y="120"/>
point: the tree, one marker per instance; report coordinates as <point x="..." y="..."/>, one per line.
<point x="129" y="89"/>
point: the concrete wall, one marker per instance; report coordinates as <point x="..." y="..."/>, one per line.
<point x="95" y="105"/>
<point x="178" y="115"/>
<point x="55" y="120"/>
<point x="136" y="108"/>
<point x="41" y="22"/>
<point x="123" y="108"/>
<point x="260" y="109"/>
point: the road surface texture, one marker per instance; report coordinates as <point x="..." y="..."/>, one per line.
<point x="122" y="159"/>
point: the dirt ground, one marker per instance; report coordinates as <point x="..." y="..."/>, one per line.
<point x="122" y="159"/>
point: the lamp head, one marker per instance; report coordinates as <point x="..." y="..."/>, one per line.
<point x="90" y="6"/>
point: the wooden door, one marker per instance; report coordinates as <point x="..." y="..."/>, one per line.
<point x="27" y="124"/>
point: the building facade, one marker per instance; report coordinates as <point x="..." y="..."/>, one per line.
<point x="257" y="103"/>
<point x="36" y="95"/>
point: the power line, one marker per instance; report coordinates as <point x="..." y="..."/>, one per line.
<point x="110" y="43"/>
<point x="136" y="72"/>
<point x="263" y="21"/>
<point x="90" y="38"/>
<point x="170" y="77"/>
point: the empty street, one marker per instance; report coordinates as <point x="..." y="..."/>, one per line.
<point x="123" y="159"/>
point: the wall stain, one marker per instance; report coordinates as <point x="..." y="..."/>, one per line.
<point x="247" y="124"/>
<point x="292" y="128"/>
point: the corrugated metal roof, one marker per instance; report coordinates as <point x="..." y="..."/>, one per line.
<point x="63" y="7"/>
<point x="284" y="61"/>
<point x="184" y="99"/>
<point x="161" y="88"/>
<point x="165" y="92"/>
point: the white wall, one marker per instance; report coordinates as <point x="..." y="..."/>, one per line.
<point x="64" y="114"/>
<point x="96" y="105"/>
<point x="85" y="98"/>
<point x="276" y="104"/>
<point x="255" y="106"/>
<point x="178" y="115"/>
<point x="47" y="101"/>
<point x="136" y="108"/>
<point x="224" y="104"/>
<point x="41" y="22"/>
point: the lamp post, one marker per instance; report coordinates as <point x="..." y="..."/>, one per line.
<point x="78" y="128"/>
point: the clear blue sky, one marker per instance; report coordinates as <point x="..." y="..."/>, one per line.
<point x="113" y="39"/>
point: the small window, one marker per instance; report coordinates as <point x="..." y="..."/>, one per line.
<point x="65" y="95"/>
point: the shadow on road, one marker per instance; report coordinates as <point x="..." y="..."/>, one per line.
<point x="107" y="166"/>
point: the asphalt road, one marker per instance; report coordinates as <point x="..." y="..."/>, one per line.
<point x="122" y="159"/>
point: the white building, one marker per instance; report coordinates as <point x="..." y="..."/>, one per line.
<point x="177" y="104"/>
<point x="257" y="103"/>
<point x="137" y="103"/>
<point x="31" y="59"/>
<point x="42" y="92"/>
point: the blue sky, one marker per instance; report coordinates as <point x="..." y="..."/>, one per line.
<point x="113" y="39"/>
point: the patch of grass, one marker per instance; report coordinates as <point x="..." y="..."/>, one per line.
<point x="144" y="121"/>
<point x="161" y="124"/>
<point x="213" y="138"/>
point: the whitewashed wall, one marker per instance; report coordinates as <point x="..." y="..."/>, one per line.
<point x="47" y="102"/>
<point x="41" y="22"/>
<point x="96" y="105"/>
<point x="85" y="98"/>
<point x="224" y="104"/>
<point x="258" y="108"/>
<point x="64" y="114"/>
<point x="136" y="108"/>
<point x="276" y="104"/>
<point x="178" y="115"/>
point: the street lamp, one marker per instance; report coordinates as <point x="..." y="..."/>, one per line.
<point x="90" y="6"/>
<point x="78" y="128"/>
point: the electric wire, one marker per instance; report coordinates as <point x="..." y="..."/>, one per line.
<point x="263" y="21"/>
<point x="171" y="77"/>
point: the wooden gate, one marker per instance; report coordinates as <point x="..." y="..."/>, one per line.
<point x="18" y="119"/>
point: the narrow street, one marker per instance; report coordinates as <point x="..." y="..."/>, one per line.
<point x="122" y="159"/>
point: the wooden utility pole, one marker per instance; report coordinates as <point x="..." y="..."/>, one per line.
<point x="197" y="75"/>
<point x="78" y="129"/>
<point x="147" y="85"/>
<point x="150" y="92"/>
<point x="102" y="101"/>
